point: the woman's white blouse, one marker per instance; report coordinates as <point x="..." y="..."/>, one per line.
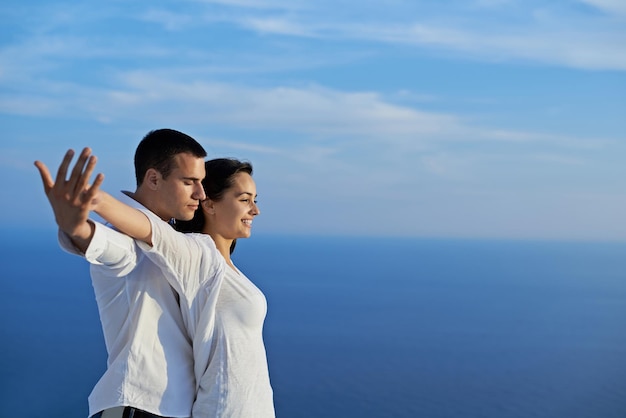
<point x="223" y="312"/>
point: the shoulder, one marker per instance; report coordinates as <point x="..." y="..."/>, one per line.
<point x="203" y="239"/>
<point x="205" y="244"/>
<point x="212" y="256"/>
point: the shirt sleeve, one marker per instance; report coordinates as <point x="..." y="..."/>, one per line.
<point x="108" y="248"/>
<point x="186" y="259"/>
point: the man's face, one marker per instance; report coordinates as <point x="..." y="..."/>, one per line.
<point x="181" y="193"/>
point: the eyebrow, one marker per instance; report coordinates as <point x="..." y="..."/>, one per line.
<point x="248" y="193"/>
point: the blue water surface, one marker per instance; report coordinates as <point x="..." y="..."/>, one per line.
<point x="361" y="327"/>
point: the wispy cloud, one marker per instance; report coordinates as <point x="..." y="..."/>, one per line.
<point x="537" y="34"/>
<point x="575" y="46"/>
<point x="238" y="145"/>
<point x="492" y="30"/>
<point x="314" y="111"/>
<point x="171" y="21"/>
<point x="613" y="7"/>
<point x="280" y="26"/>
<point x="260" y="4"/>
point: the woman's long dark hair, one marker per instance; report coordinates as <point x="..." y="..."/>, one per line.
<point x="220" y="176"/>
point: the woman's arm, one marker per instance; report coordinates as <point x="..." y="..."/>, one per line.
<point x="126" y="219"/>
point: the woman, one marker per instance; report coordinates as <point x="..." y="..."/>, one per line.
<point x="223" y="310"/>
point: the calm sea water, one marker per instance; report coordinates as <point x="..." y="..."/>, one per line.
<point x="367" y="328"/>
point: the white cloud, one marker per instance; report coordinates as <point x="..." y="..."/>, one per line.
<point x="559" y="159"/>
<point x="492" y="3"/>
<point x="312" y="112"/>
<point x="505" y="30"/>
<point x="259" y="4"/>
<point x="537" y="35"/>
<point x="278" y="26"/>
<point x="171" y="21"/>
<point x="592" y="47"/>
<point x="243" y="146"/>
<point x="616" y="7"/>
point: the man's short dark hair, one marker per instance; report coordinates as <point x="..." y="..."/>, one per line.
<point x="158" y="148"/>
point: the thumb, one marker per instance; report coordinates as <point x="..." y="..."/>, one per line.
<point x="46" y="178"/>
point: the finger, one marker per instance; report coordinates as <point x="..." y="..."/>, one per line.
<point x="62" y="171"/>
<point x="75" y="184"/>
<point x="46" y="178"/>
<point x="92" y="191"/>
<point x="83" y="181"/>
<point x="98" y="181"/>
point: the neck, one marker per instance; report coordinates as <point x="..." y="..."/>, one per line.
<point x="222" y="244"/>
<point x="148" y="200"/>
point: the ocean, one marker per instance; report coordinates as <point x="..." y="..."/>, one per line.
<point x="361" y="327"/>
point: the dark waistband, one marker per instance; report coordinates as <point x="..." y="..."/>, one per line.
<point x="129" y="412"/>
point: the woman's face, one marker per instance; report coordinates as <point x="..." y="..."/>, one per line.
<point x="232" y="216"/>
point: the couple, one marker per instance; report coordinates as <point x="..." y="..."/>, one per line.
<point x="182" y="325"/>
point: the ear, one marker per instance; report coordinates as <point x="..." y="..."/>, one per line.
<point x="208" y="206"/>
<point x="151" y="179"/>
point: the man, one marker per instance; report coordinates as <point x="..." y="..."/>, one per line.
<point x="150" y="361"/>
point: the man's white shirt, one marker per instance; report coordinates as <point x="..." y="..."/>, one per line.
<point x="150" y="358"/>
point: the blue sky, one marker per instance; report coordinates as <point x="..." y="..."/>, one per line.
<point x="472" y="119"/>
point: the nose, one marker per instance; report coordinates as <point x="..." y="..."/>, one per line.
<point x="255" y="209"/>
<point x="199" y="192"/>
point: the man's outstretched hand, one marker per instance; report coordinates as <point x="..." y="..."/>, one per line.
<point x="72" y="199"/>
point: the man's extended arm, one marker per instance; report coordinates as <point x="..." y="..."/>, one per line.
<point x="124" y="218"/>
<point x="73" y="199"/>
